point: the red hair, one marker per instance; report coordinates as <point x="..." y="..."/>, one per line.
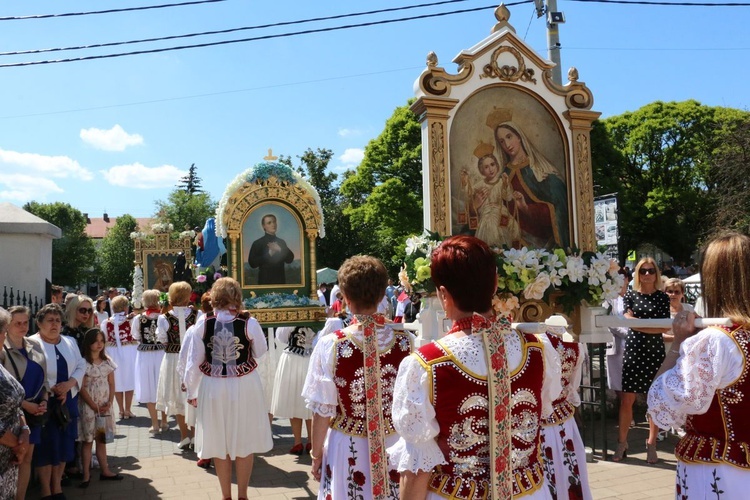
<point x="466" y="267"/>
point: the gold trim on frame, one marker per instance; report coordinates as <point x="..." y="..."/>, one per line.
<point x="294" y="316"/>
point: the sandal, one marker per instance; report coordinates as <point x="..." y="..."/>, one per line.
<point x="621" y="453"/>
<point x="651" y="456"/>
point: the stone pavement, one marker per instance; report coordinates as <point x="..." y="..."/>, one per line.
<point x="154" y="468"/>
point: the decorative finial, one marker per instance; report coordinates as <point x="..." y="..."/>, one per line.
<point x="502" y="14"/>
<point x="270" y="156"/>
<point x="573" y="75"/>
<point x="432" y="60"/>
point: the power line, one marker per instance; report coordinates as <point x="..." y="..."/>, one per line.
<point x="673" y="4"/>
<point x="231" y="30"/>
<point x="109" y="11"/>
<point x="211" y="94"/>
<point x="257" y="38"/>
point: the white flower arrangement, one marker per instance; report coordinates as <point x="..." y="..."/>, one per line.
<point x="138" y="235"/>
<point x="588" y="277"/>
<point x="259" y="173"/>
<point x="137" y="287"/>
<point x="162" y="227"/>
<point x="188" y="234"/>
<point x="416" y="273"/>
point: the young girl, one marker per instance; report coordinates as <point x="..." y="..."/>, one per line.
<point x="97" y="394"/>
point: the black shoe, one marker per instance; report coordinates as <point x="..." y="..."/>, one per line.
<point x="85" y="484"/>
<point x="116" y="477"/>
<point x="59" y="496"/>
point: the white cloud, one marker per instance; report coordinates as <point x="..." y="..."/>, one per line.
<point x="352" y="157"/>
<point x="142" y="177"/>
<point x="22" y="188"/>
<point x="349" y="132"/>
<point x="114" y="139"/>
<point x="50" y="166"/>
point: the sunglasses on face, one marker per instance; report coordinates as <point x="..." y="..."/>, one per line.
<point x="85" y="310"/>
<point x="646" y="270"/>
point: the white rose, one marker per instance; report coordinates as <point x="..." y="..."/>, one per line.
<point x="536" y="289"/>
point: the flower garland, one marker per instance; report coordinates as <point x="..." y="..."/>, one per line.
<point x="137" y="287"/>
<point x="276" y="300"/>
<point x="262" y="172"/>
<point x="188" y="234"/>
<point x="138" y="235"/>
<point x="162" y="227"/>
<point x="526" y="273"/>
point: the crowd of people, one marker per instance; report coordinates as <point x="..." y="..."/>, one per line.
<point x="486" y="411"/>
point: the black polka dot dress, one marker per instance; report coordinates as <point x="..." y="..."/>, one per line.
<point x="644" y="352"/>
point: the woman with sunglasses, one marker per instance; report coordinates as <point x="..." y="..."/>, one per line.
<point x="644" y="351"/>
<point x="79" y="318"/>
<point x="675" y="290"/>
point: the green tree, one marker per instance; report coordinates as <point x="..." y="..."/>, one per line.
<point x="73" y="255"/>
<point x="657" y="159"/>
<point x="337" y="245"/>
<point x="184" y="210"/>
<point x="117" y="253"/>
<point x="383" y="197"/>
<point x="191" y="183"/>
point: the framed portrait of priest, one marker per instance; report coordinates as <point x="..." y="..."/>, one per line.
<point x="509" y="171"/>
<point x="272" y="247"/>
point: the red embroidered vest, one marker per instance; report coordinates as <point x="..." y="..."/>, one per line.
<point x="126" y="337"/>
<point x="721" y="435"/>
<point x="350" y="381"/>
<point x="173" y="333"/>
<point x="462" y="411"/>
<point x="229" y="353"/>
<point x="569" y="352"/>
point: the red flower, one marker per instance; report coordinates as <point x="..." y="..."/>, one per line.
<point x="501" y="463"/>
<point x="497" y="361"/>
<point x="359" y="478"/>
<point x="501" y="411"/>
<point x="329" y="497"/>
<point x="352" y="462"/>
<point x="370" y="361"/>
<point x="575" y="492"/>
<point x="328" y="470"/>
<point x="394" y="476"/>
<point x="548" y="453"/>
<point x="371" y="393"/>
<point x="373" y="425"/>
<point x="374" y="457"/>
<point x="569" y="445"/>
<point x="377" y="490"/>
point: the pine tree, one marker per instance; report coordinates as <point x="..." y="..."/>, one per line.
<point x="191" y="183"/>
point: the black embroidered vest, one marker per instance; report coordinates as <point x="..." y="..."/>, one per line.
<point x="173" y="333"/>
<point x="229" y="353"/>
<point x="300" y="341"/>
<point x="148" y="334"/>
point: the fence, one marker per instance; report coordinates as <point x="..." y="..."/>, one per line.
<point x="17" y="298"/>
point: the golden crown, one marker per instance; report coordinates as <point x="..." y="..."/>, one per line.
<point x="498" y="116"/>
<point x="483" y="149"/>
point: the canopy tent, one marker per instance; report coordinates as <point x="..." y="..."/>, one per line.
<point x="327" y="275"/>
<point x="696" y="278"/>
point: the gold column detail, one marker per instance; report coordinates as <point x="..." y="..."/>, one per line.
<point x="235" y="273"/>
<point x="435" y="112"/>
<point x="580" y="126"/>
<point x="311" y="235"/>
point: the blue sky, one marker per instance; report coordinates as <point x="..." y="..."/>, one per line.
<point x="116" y="134"/>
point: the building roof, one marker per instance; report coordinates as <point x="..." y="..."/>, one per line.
<point x="97" y="227"/>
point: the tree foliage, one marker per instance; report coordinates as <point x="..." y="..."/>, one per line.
<point x="73" y="255"/>
<point x="383" y="197"/>
<point x="657" y="159"/>
<point x="185" y="211"/>
<point x="117" y="253"/>
<point x="191" y="183"/>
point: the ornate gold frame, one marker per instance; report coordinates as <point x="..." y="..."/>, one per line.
<point x="435" y="107"/>
<point x="161" y="244"/>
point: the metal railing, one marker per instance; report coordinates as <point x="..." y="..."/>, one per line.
<point x="11" y="297"/>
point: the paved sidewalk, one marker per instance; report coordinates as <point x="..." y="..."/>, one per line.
<point x="154" y="468"/>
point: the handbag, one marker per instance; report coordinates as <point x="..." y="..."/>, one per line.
<point x="31" y="420"/>
<point x="60" y="414"/>
<point x="104" y="429"/>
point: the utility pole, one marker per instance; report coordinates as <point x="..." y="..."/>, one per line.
<point x="554" y="17"/>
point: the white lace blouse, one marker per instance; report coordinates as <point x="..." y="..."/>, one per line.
<point x="414" y="415"/>
<point x="709" y="360"/>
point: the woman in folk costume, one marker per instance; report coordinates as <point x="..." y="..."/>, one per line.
<point x="148" y="359"/>
<point x="171" y="328"/>
<point x="122" y="348"/>
<point x="349" y="388"/>
<point x="704" y="381"/>
<point x="482" y="371"/>
<point x="223" y="384"/>
<point x="565" y="469"/>
<point x="287" y="400"/>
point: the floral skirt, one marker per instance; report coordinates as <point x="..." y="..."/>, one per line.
<point x="565" y="472"/>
